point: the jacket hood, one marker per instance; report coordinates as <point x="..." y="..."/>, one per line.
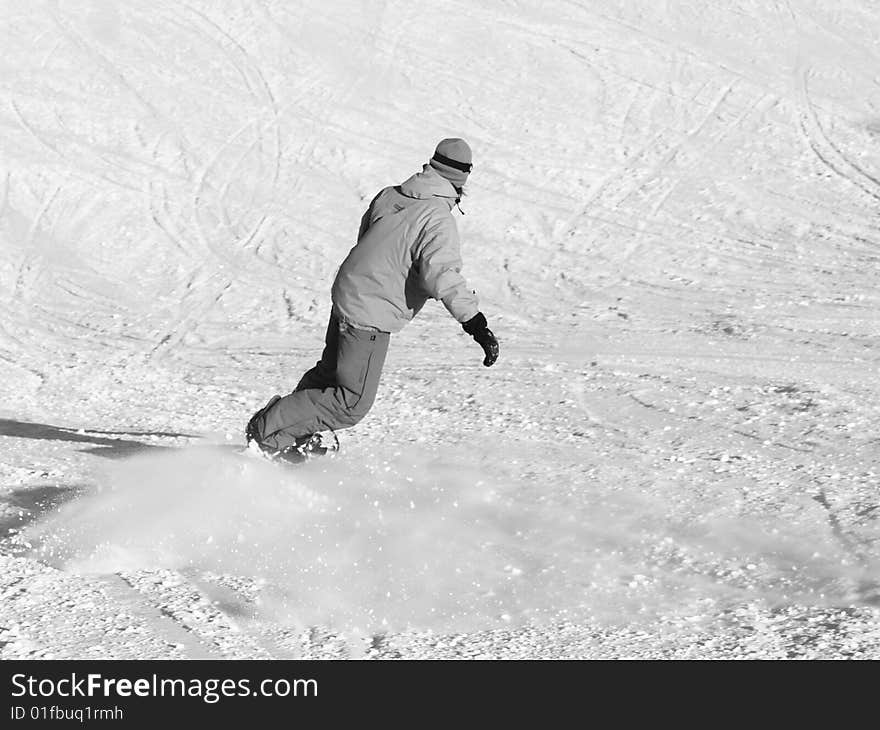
<point x="428" y="184"/>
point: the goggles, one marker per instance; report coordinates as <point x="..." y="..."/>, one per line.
<point x="454" y="164"/>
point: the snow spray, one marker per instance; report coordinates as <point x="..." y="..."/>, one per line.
<point x="419" y="541"/>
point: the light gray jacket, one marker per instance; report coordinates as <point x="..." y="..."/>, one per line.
<point x="407" y="252"/>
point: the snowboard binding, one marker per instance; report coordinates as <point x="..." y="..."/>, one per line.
<point x="306" y="448"/>
<point x="309" y="447"/>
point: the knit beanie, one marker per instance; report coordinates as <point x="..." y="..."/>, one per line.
<point x="452" y="159"/>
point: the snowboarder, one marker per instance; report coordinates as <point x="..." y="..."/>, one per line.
<point x="407" y="252"/>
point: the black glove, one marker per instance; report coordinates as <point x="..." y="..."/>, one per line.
<point x="478" y="328"/>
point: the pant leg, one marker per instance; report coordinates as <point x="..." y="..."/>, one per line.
<point x="323" y="375"/>
<point x="359" y="357"/>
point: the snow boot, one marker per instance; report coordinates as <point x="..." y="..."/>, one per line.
<point x="251" y="432"/>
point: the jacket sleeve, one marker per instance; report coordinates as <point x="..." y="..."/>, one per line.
<point x="439" y="260"/>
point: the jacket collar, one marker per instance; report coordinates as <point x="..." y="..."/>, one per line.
<point x="428" y="184"/>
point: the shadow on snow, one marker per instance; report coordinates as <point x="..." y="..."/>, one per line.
<point x="108" y="444"/>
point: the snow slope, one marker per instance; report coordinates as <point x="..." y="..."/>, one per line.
<point x="672" y="227"/>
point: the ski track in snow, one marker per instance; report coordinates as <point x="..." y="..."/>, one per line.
<point x="672" y="226"/>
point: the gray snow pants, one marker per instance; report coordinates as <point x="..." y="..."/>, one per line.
<point x="336" y="393"/>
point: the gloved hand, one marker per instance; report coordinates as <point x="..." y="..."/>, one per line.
<point x="478" y="328"/>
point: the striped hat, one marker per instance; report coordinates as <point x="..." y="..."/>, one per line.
<point x="452" y="159"/>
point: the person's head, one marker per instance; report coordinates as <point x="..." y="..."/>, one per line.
<point x="453" y="160"/>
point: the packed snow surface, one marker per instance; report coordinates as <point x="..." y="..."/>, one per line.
<point x="672" y="228"/>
